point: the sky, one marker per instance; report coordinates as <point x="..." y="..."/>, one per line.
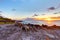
<point x="17" y="9"/>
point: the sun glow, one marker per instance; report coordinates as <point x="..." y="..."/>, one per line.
<point x="48" y="19"/>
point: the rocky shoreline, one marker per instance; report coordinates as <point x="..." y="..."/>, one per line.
<point x="14" y="32"/>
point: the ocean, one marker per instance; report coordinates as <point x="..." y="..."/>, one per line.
<point x="49" y="23"/>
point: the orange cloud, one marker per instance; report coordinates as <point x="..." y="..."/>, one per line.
<point x="48" y="18"/>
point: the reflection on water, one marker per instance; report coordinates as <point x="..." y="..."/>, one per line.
<point x="44" y="22"/>
<point x="52" y="23"/>
<point x="49" y="22"/>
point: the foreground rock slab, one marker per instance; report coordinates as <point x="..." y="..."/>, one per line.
<point x="11" y="32"/>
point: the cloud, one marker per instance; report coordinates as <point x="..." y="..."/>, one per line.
<point x="51" y="8"/>
<point x="55" y="13"/>
<point x="43" y="14"/>
<point x="56" y="18"/>
<point x="13" y="9"/>
<point x="35" y="15"/>
<point x="0" y="11"/>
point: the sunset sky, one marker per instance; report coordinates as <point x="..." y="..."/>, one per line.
<point x="17" y="9"/>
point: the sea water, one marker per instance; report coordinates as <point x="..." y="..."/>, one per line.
<point x="43" y="22"/>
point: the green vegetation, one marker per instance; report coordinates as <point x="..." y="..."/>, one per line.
<point x="6" y="20"/>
